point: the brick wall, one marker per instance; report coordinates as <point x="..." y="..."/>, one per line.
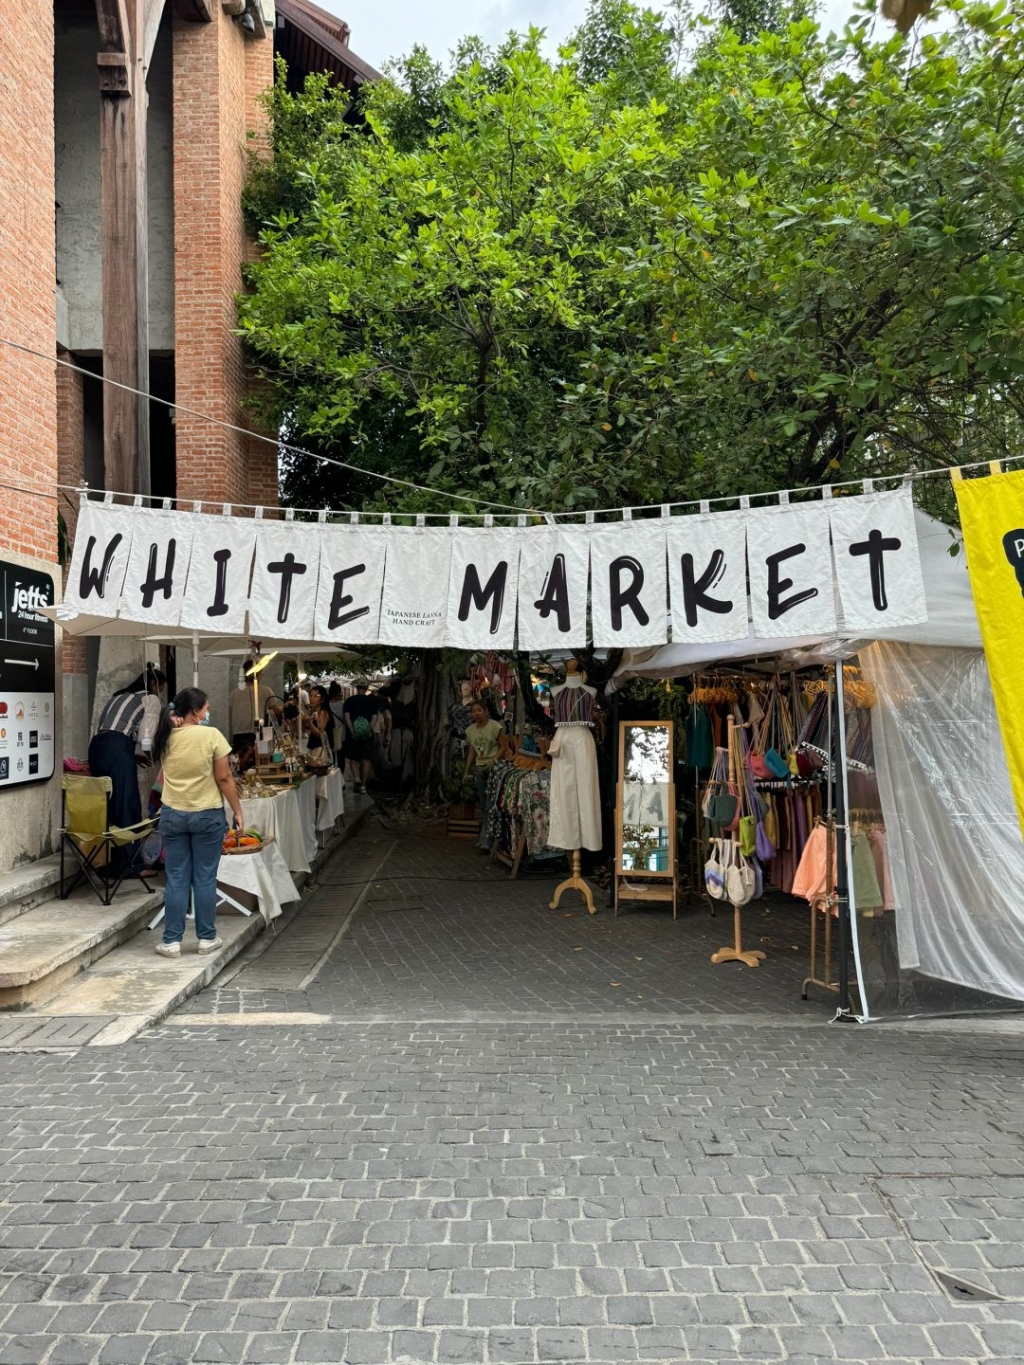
<point x="28" y="434"/>
<point x="71" y="470"/>
<point x="218" y="73"/>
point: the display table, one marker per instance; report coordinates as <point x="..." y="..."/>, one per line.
<point x="289" y="818"/>
<point x="259" y="880"/>
<point x="330" y="799"/>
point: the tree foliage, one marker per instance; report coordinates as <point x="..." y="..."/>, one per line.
<point x="619" y="278"/>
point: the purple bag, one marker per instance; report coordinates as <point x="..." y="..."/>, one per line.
<point x="763" y="847"/>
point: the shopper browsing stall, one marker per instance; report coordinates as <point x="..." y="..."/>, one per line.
<point x="482" y="735"/>
<point x="128" y="721"/>
<point x="197" y="781"/>
<point x="360" y="711"/>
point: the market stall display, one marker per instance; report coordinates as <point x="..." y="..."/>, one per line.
<point x="257" y="879"/>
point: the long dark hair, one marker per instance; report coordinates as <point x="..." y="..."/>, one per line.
<point x="189" y="699"/>
<point x="144" y="682"/>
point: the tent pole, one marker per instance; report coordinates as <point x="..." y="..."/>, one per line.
<point x="195" y="658"/>
<point x="842" y="865"/>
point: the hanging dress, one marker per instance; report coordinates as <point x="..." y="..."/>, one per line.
<point x="575" y="791"/>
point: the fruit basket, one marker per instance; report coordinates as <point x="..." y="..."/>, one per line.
<point x="248" y="841"/>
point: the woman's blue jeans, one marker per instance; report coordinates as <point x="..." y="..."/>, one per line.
<point x="192" y="841"/>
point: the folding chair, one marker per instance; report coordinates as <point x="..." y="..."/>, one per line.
<point x="87" y="832"/>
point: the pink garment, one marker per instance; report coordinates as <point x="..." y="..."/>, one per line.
<point x="809" y="881"/>
<point x="880" y="850"/>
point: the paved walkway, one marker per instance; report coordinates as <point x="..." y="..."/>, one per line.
<point x="507" y="1183"/>
<point x="442" y="933"/>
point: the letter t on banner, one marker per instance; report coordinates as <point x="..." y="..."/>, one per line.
<point x="878" y="564"/>
<point x="992" y="518"/>
<point x="284" y="581"/>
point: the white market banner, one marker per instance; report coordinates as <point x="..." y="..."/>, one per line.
<point x="685" y="578"/>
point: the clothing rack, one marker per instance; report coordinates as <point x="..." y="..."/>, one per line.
<point x="822" y="975"/>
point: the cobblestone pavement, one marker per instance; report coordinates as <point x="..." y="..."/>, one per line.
<point x="519" y="1187"/>
<point x="442" y="933"/>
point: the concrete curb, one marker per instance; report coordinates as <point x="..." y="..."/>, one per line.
<point x="128" y="1026"/>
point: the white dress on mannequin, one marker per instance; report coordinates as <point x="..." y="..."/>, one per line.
<point x="575" y="820"/>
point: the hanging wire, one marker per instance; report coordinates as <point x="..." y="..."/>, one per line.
<point x="503" y="509"/>
<point x="251" y="435"/>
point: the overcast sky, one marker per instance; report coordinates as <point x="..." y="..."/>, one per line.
<point x="388" y="28"/>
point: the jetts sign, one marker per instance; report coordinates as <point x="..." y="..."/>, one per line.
<point x="629" y="583"/>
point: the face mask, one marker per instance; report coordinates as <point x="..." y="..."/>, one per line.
<point x="205" y="719"/>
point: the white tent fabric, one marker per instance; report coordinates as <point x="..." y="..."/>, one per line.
<point x="85" y="624"/>
<point x="951" y="622"/>
<point x="955" y="850"/>
<point x="955" y="853"/>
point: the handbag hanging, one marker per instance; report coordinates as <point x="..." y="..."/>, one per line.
<point x="753" y="838"/>
<point x="715" y="869"/>
<point x="739" y="877"/>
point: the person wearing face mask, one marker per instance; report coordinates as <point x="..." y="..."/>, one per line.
<point x="197" y="781"/>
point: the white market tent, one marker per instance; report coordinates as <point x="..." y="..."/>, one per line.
<point x="951" y="623"/>
<point x="955" y="848"/>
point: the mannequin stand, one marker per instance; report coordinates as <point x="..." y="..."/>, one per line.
<point x="575" y="883"/>
<point x="753" y="957"/>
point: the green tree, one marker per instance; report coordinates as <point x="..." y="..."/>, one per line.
<point x="605" y="279"/>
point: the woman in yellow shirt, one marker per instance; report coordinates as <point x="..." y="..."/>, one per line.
<point x="197" y="782"/>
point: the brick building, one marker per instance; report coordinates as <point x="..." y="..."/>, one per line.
<point x="121" y="242"/>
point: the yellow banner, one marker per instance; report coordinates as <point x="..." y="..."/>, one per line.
<point x="992" y="517"/>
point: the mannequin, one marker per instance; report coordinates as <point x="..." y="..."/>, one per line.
<point x="575" y="793"/>
<point x="403" y="723"/>
<point x="458" y="719"/>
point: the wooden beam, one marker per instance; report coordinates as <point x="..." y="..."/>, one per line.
<point x="154" y="10"/>
<point x="115" y="31"/>
<point x="115" y="73"/>
<point x="194" y="11"/>
<point x="125" y="267"/>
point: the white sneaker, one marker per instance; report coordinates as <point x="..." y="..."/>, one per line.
<point x="210" y="945"/>
<point x="169" y="949"/>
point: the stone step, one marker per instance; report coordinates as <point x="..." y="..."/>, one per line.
<point x="25" y="887"/>
<point x="43" y="949"/>
<point x="135" y="987"/>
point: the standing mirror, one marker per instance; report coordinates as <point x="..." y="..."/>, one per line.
<point x="645" y="850"/>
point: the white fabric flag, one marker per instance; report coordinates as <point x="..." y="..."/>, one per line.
<point x="351" y="580"/>
<point x="154" y="583"/>
<point x="792" y="591"/>
<point x="482" y="586"/>
<point x="415" y="600"/>
<point x="878" y="564"/>
<point x="629" y="584"/>
<point x="218" y="574"/>
<point x="707" y="565"/>
<point x="103" y="541"/>
<point x="284" y="580"/>
<point x="554" y="564"/>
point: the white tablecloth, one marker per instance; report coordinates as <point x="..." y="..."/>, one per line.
<point x="307" y="815"/>
<point x="282" y="817"/>
<point x="262" y="874"/>
<point x="330" y="799"/>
